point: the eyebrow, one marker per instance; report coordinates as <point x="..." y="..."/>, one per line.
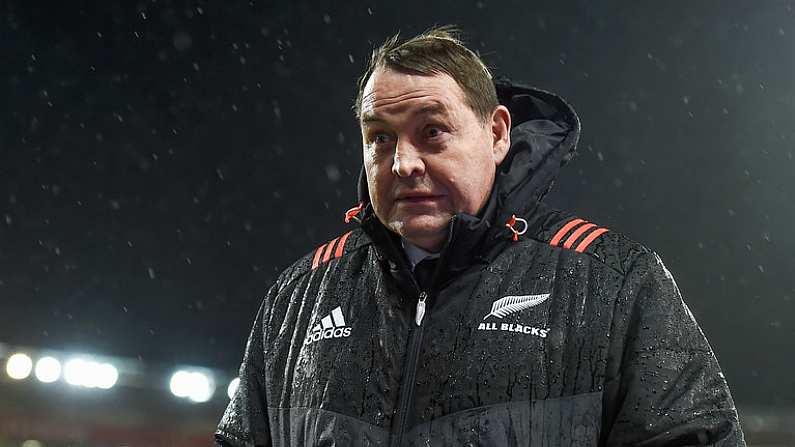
<point x="434" y="108"/>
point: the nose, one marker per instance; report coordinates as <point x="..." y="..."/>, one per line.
<point x="408" y="160"/>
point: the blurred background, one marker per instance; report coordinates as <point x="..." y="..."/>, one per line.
<point x="162" y="160"/>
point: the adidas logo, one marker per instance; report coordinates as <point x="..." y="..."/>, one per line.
<point x="331" y="326"/>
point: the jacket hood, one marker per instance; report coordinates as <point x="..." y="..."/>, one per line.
<point x="544" y="135"/>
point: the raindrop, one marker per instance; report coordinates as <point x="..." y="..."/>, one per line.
<point x="182" y="41"/>
<point x="333" y="172"/>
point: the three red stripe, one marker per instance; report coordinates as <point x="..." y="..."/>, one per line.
<point x="324" y="252"/>
<point x="583" y="227"/>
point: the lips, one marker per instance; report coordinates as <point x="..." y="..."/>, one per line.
<point x="418" y="198"/>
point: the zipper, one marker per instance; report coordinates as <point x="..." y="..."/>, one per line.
<point x="410" y="372"/>
<point x="420" y="308"/>
<point x="414" y="346"/>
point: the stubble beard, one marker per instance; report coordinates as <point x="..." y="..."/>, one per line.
<point x="429" y="235"/>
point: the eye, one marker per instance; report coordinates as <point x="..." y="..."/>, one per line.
<point x="379" y="138"/>
<point x="433" y="131"/>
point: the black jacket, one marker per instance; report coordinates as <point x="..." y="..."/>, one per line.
<point x="570" y="335"/>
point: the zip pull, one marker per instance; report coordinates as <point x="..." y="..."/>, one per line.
<point x="421" y="308"/>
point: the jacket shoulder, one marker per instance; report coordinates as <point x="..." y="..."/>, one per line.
<point x="326" y="253"/>
<point x="568" y="231"/>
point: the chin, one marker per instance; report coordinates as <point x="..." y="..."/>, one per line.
<point x="422" y="230"/>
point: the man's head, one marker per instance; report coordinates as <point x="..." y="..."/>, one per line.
<point x="433" y="134"/>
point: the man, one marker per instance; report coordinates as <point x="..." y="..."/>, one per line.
<point x="461" y="310"/>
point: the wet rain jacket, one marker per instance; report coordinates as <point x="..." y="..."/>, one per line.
<point x="571" y="335"/>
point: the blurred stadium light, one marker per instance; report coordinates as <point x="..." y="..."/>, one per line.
<point x="194" y="385"/>
<point x="48" y="369"/>
<point x="18" y="366"/>
<point x="232" y="388"/>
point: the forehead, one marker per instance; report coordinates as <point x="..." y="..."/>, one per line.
<point x="389" y="92"/>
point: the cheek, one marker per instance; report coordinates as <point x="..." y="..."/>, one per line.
<point x="378" y="182"/>
<point x="470" y="184"/>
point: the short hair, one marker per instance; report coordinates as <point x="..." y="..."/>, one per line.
<point x="437" y="50"/>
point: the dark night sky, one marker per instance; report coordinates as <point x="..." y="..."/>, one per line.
<point x="162" y="160"/>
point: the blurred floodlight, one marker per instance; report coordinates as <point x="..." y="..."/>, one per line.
<point x="107" y="375"/>
<point x="32" y="443"/>
<point x="19" y="366"/>
<point x="192" y="385"/>
<point x="75" y="372"/>
<point x="232" y="388"/>
<point x="48" y="369"/>
<point x="179" y="383"/>
<point x="90" y="374"/>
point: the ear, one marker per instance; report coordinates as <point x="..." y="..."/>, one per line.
<point x="500" y="133"/>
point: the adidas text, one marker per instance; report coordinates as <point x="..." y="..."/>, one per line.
<point x="339" y="332"/>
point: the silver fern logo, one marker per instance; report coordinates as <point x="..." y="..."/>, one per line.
<point x="515" y="303"/>
<point x="510" y="305"/>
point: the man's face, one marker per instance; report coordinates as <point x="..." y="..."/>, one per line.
<point x="427" y="154"/>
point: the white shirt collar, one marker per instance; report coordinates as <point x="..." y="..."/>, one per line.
<point x="415" y="253"/>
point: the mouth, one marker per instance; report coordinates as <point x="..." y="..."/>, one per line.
<point x="418" y="199"/>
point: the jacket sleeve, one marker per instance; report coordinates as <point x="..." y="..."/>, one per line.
<point x="666" y="387"/>
<point x="245" y="421"/>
